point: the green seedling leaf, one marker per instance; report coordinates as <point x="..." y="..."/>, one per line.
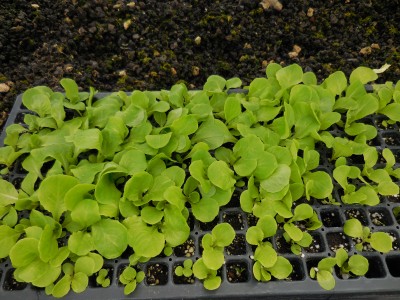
<point x="268" y="226"/>
<point x="24" y="252"/>
<point x="266" y="255"/>
<point x="318" y="185"/>
<point x="294" y="232"/>
<point x="214" y="84"/>
<point x="232" y="107"/>
<point x="37" y="99"/>
<point x="137" y="185"/>
<point x="326" y="280"/>
<point x="86" y="213"/>
<point x="151" y="215"/>
<point x="302" y="212"/>
<point x="223" y="234"/>
<point x="175" y="228"/>
<point x="213" y="258"/>
<point x="146" y="241"/>
<point x="281" y="269"/>
<point x="341" y="257"/>
<point x="214" y="133"/>
<point x="278" y="180"/>
<point x="336" y="82"/>
<point x="184" y="125"/>
<point x="79" y="282"/>
<point x="381" y="241"/>
<point x="233" y="83"/>
<point x="212" y="283"/>
<point x="200" y="270"/>
<point x="254" y="235"/>
<point x="363" y="74"/>
<point x="205" y="210"/>
<point x="109" y="238"/>
<point x="80" y="243"/>
<point x="52" y="191"/>
<point x="358" y="265"/>
<point x="62" y="287"/>
<point x="289" y="76"/>
<point x="353" y="228"/>
<point x="71" y="89"/>
<point x="8" y="193"/>
<point x="392" y="111"/>
<point x="8" y="238"/>
<point x="158" y="141"/>
<point x="221" y="175"/>
<point x="48" y="246"/>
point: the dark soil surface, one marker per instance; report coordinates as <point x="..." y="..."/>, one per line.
<point x="153" y="44"/>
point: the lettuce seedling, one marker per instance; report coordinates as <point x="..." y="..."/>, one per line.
<point x="186" y="269"/>
<point x="348" y="266"/>
<point x="295" y="236"/>
<point x="130" y="278"/>
<point x="213" y="255"/>
<point x="102" y="278"/>
<point x="379" y="241"/>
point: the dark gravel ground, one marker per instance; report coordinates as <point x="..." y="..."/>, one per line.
<point x="151" y="44"/>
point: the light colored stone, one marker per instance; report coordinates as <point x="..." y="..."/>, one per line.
<point x="4" y="88"/>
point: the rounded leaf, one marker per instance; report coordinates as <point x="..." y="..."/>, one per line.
<point x="223" y="234"/>
<point x="381" y="241"/>
<point x="358" y="265"/>
<point x="212" y="283"/>
<point x="221" y="175"/>
<point x="109" y="238"/>
<point x="205" y="210"/>
<point x="281" y="269"/>
<point x="266" y="255"/>
<point x="213" y="259"/>
<point x="353" y="228"/>
<point x="79" y="282"/>
<point x="254" y="235"/>
<point x="326" y="280"/>
<point x="268" y="225"/>
<point x="151" y="215"/>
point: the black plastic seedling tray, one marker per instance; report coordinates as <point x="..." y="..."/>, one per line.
<point x="381" y="282"/>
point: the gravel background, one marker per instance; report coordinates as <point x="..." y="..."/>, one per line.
<point x="153" y="44"/>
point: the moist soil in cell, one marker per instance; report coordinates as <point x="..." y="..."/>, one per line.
<point x="182" y="279"/>
<point x="382" y="124"/>
<point x="337" y="240"/>
<point x="392" y="139"/>
<point x="281" y="245"/>
<point x="187" y="249"/>
<point x="356" y="214"/>
<point x="235" y="199"/>
<point x="251" y="220"/>
<point x="234" y="219"/>
<point x="92" y="279"/>
<point x="380" y="218"/>
<point x="366" y="247"/>
<point x="157" y="274"/>
<point x="331" y="218"/>
<point x="316" y="245"/>
<point x="297" y="273"/>
<point x="394" y="198"/>
<point x="10" y="284"/>
<point x="209" y="225"/>
<point x="237" y="272"/>
<point x="238" y="245"/>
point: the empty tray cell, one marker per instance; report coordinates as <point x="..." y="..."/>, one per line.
<point x="395" y="198"/>
<point x="251" y="220"/>
<point x="237" y="271"/>
<point x="331" y="218"/>
<point x="157" y="274"/>
<point x="376" y="141"/>
<point x="391" y="138"/>
<point x="355" y="160"/>
<point x="10" y="284"/>
<point x="376" y="268"/>
<point x="298" y="270"/>
<point x="317" y="244"/>
<point x="393" y="263"/>
<point x="382" y="124"/>
<point x="338" y="240"/>
<point x="395" y="240"/>
<point x="380" y="217"/>
<point x="93" y="279"/>
<point x="358" y="214"/>
<point x="238" y="246"/>
<point x="281" y="245"/>
<point x="235" y="199"/>
<point x="187" y="249"/>
<point x="235" y="219"/>
<point x="209" y="225"/>
<point x="181" y="279"/>
<point x="396" y="153"/>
